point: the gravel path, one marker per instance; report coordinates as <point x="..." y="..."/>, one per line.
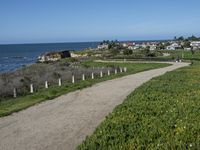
<point x="62" y="123"/>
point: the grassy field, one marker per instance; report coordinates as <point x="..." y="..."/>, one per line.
<point x="13" y="105"/>
<point x="182" y="54"/>
<point x="162" y="114"/>
<point x="174" y="55"/>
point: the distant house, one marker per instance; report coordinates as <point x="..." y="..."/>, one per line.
<point x="131" y="47"/>
<point x="124" y="45"/>
<point x="53" y="56"/>
<point x="103" y="46"/>
<point x="144" y="45"/>
<point x="173" y="46"/>
<point x="152" y="47"/>
<point x="74" y="55"/>
<point x="136" y="46"/>
<point x="195" y="44"/>
<point x="127" y="44"/>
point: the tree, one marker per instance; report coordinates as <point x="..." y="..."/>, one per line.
<point x="175" y="38"/>
<point x="127" y="52"/>
<point x="161" y="46"/>
<point x="186" y="44"/>
<point x="167" y="44"/>
<point x="181" y="38"/>
<point x="146" y="51"/>
<point x="193" y="38"/>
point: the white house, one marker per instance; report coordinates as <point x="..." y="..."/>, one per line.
<point x="195" y="44"/>
<point x="137" y="46"/>
<point x="103" y="46"/>
<point x="152" y="47"/>
<point x="125" y="45"/>
<point x="173" y="46"/>
<point x="131" y="47"/>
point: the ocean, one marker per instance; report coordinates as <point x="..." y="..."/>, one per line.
<point x="14" y="56"/>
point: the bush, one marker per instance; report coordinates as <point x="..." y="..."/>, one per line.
<point x="127" y="52"/>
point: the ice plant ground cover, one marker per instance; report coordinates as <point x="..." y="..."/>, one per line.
<point x="164" y="113"/>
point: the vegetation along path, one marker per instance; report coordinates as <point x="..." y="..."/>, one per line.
<point x="65" y="122"/>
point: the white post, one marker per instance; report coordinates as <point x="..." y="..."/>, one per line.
<point x="83" y="77"/>
<point x="46" y="85"/>
<point x="121" y="70"/>
<point x="59" y="82"/>
<point x="31" y="88"/>
<point x="14" y="93"/>
<point x="115" y="71"/>
<point x="92" y="75"/>
<point x="125" y="69"/>
<point x="101" y="74"/>
<point x="73" y="80"/>
<point x="108" y="72"/>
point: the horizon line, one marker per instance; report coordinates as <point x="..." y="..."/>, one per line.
<point x="34" y="43"/>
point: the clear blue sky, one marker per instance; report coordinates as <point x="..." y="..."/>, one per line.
<point x="33" y="21"/>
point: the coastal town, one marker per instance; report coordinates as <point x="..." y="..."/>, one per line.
<point x="111" y="48"/>
<point x="190" y="43"/>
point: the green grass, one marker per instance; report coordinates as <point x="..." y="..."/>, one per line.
<point x="164" y="113"/>
<point x="187" y="55"/>
<point x="174" y="54"/>
<point x="7" y="107"/>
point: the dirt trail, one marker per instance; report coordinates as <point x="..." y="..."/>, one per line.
<point x="64" y="122"/>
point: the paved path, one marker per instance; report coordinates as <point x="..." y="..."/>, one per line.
<point x="62" y="123"/>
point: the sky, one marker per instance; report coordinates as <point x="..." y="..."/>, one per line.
<point x="46" y="21"/>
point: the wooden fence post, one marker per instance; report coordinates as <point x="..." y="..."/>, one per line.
<point x="121" y="70"/>
<point x="92" y="75"/>
<point x="115" y="71"/>
<point x="46" y="85"/>
<point x="31" y="88"/>
<point x="73" y="80"/>
<point x="101" y="74"/>
<point x="108" y="72"/>
<point x="59" y="82"/>
<point x="14" y="93"/>
<point x="125" y="69"/>
<point x="83" y="77"/>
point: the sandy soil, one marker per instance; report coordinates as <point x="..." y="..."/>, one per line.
<point x="64" y="122"/>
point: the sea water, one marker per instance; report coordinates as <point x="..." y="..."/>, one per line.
<point x="14" y="56"/>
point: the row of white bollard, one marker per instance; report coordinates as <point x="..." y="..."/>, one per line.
<point x="101" y="74"/>
<point x="73" y="80"/>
